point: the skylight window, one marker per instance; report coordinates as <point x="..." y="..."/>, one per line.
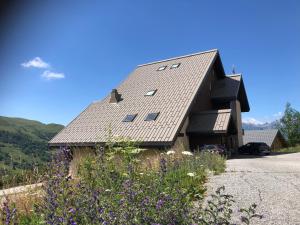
<point x="161" y="68"/>
<point x="151" y="93"/>
<point x="176" y="65"/>
<point x="151" y="116"/>
<point x="129" y="118"/>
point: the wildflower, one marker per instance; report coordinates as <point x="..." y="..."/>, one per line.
<point x="163" y="165"/>
<point x="191" y="174"/>
<point x="187" y="153"/>
<point x="107" y="190"/>
<point x="71" y="210"/>
<point x="170" y="152"/>
<point x="141" y="174"/>
<point x="159" y="204"/>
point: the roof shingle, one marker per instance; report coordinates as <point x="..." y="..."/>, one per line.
<point x="266" y="136"/>
<point x="210" y="122"/>
<point x="176" y="89"/>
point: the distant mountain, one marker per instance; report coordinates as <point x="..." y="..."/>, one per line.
<point x="23" y="143"/>
<point x="255" y="126"/>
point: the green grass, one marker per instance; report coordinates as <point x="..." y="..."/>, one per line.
<point x="23" y="147"/>
<point x="289" y="149"/>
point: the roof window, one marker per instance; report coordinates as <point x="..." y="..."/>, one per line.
<point x="151" y="116"/>
<point x="151" y="93"/>
<point x="161" y="68"/>
<point x="129" y="118"/>
<point x="176" y="65"/>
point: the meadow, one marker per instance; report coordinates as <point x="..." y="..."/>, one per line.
<point x="112" y="188"/>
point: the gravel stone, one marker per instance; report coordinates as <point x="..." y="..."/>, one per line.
<point x="272" y="182"/>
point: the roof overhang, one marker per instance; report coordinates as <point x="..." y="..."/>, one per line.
<point x="231" y="88"/>
<point x="210" y="122"/>
<point x="94" y="144"/>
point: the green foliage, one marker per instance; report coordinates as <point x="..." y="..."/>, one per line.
<point x="23" y="148"/>
<point x="219" y="210"/>
<point x="290" y="125"/>
<point x="114" y="189"/>
<point x="289" y="149"/>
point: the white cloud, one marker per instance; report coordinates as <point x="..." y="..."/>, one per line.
<point x="252" y="121"/>
<point x="37" y="62"/>
<point x="48" y="75"/>
<point x="278" y="115"/>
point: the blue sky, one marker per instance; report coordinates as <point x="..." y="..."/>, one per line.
<point x="89" y="47"/>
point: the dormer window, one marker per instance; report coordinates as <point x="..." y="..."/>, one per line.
<point x="151" y="93"/>
<point x="151" y="116"/>
<point x="129" y="118"/>
<point x="161" y="68"/>
<point x="176" y="65"/>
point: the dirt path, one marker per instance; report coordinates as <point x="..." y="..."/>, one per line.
<point x="272" y="182"/>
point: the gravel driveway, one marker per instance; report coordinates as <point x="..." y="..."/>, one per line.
<point x="272" y="182"/>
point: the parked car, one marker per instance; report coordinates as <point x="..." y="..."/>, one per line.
<point x="255" y="148"/>
<point x="220" y="149"/>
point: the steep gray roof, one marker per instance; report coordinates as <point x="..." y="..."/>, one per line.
<point x="266" y="136"/>
<point x="176" y="90"/>
<point x="209" y="122"/>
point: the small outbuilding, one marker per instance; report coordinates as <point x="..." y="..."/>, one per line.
<point x="272" y="137"/>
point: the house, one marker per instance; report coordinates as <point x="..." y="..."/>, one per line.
<point x="181" y="102"/>
<point x="272" y="137"/>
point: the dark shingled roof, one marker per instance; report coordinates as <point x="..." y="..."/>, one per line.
<point x="210" y="122"/>
<point x="266" y="136"/>
<point x="176" y="90"/>
<point x="231" y="87"/>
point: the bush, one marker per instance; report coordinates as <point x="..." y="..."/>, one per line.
<point x="113" y="189"/>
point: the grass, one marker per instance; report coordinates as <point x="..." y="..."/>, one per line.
<point x="112" y="188"/>
<point x="289" y="149"/>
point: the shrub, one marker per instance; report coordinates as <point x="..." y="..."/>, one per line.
<point x="113" y="189"/>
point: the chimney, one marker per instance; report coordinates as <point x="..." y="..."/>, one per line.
<point x="114" y="96"/>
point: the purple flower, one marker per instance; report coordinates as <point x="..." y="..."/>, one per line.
<point x="159" y="204"/>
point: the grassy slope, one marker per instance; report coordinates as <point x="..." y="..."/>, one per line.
<point x="289" y="149"/>
<point x="23" y="143"/>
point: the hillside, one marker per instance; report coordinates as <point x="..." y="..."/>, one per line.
<point x="23" y="144"/>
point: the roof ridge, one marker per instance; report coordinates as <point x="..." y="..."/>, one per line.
<point x="274" y="129"/>
<point x="178" y="57"/>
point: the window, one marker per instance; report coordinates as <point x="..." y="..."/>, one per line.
<point x="129" y="118"/>
<point x="176" y="65"/>
<point x="161" y="68"/>
<point x="151" y="93"/>
<point x="151" y="116"/>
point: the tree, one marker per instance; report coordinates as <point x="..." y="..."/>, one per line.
<point x="290" y="125"/>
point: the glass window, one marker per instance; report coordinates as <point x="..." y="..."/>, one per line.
<point x="161" y="68"/>
<point x="151" y="116"/>
<point x="151" y="93"/>
<point x="129" y="118"/>
<point x="176" y="65"/>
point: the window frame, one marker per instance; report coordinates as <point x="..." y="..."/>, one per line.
<point x="126" y="120"/>
<point x="161" y="68"/>
<point x="175" y="67"/>
<point x="150" y="114"/>
<point x="148" y="95"/>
